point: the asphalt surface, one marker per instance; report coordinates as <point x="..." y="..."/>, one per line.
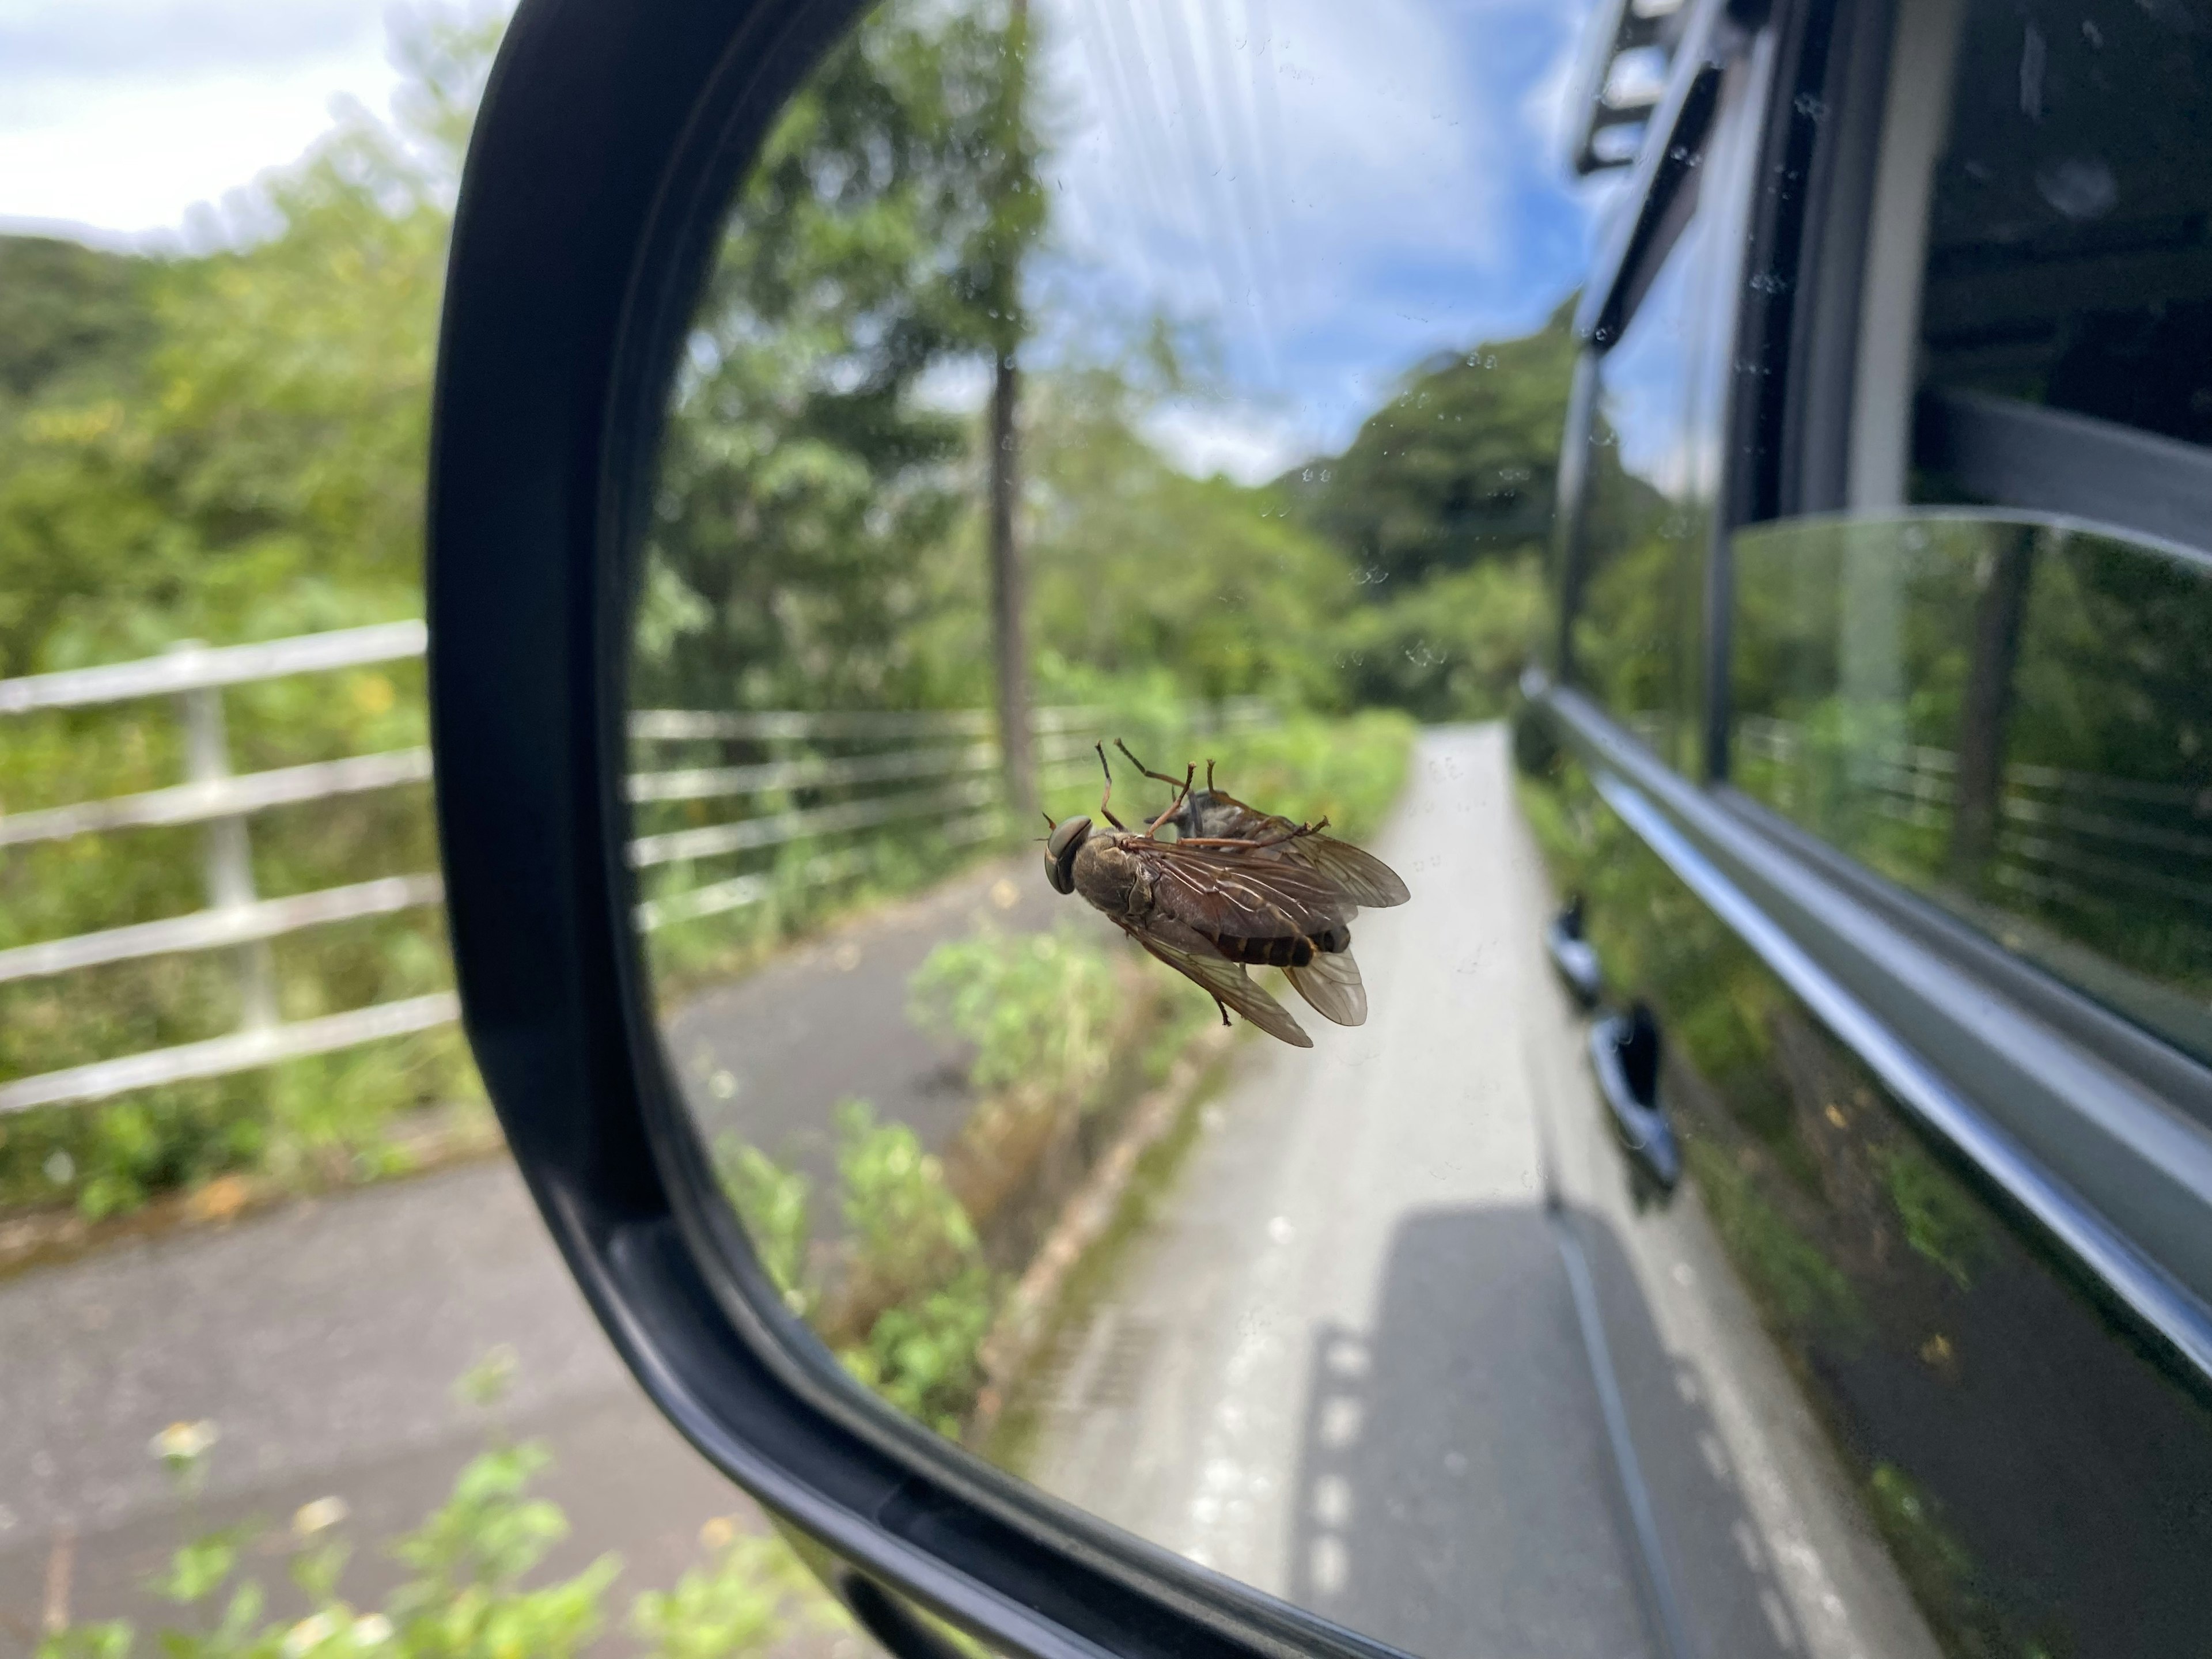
<point x="768" y="1057"/>
<point x="323" y="1342"/>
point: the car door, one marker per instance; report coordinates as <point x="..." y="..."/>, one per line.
<point x="1880" y="643"/>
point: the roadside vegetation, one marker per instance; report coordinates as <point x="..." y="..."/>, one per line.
<point x="472" y="1590"/>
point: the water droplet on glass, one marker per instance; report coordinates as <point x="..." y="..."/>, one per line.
<point x="2082" y="188"/>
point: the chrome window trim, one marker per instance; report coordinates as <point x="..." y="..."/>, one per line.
<point x="2072" y="1139"/>
<point x="2159" y="1066"/>
<point x="2054" y="463"/>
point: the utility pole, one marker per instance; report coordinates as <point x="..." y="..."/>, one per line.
<point x="1977" y="800"/>
<point x="1010" y="632"/>
<point x="1009" y="592"/>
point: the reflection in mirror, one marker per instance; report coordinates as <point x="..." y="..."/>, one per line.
<point x="1103" y="498"/>
<point x="2003" y="713"/>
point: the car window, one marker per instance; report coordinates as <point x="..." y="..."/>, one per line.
<point x="1987" y="680"/>
<point x="1654" y="449"/>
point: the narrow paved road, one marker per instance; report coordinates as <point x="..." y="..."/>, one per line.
<point x="766" y="1057"/>
<point x="1345" y="1365"/>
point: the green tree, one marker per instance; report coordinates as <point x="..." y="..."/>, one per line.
<point x="810" y="486"/>
<point x="1458" y="467"/>
<point x="68" y="311"/>
<point x="1441" y="508"/>
<point x="229" y="447"/>
<point x="1137" y="567"/>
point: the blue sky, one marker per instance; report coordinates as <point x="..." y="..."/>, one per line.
<point x="1333" y="193"/>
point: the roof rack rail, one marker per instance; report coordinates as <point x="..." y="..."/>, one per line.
<point x="1623" y="78"/>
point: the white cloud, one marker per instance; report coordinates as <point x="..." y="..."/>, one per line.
<point x="1330" y="193"/>
<point x="118" y="116"/>
<point x="1249" y="159"/>
<point x="1247" y="444"/>
<point x="96" y="38"/>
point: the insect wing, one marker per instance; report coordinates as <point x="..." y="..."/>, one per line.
<point x="1243" y="894"/>
<point x="1216" y="975"/>
<point x="1359" y="876"/>
<point x="1331" y="983"/>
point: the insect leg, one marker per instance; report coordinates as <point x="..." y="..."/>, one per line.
<point x="1104" y="810"/>
<point x="1247" y="844"/>
<point x="1292" y="833"/>
<point x="1169" y="811"/>
<point x="1159" y="777"/>
<point x="1224" y="1007"/>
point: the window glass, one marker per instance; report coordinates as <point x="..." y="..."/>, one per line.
<point x="1634" y="640"/>
<point x="2068" y="263"/>
<point x="2007" y="714"/>
<point x="1086" y="414"/>
<point x="1638" y="639"/>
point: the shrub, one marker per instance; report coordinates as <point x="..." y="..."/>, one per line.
<point x="1039" y="1007"/>
<point x="466" y="1597"/>
<point x="773" y="1203"/>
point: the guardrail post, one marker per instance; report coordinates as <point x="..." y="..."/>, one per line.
<point x="227" y="855"/>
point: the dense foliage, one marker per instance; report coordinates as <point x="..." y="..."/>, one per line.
<point x="810" y="496"/>
<point x="226" y="448"/>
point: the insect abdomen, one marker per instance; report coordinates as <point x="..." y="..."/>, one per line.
<point x="1295" y="951"/>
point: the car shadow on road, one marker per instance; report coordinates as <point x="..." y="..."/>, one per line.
<point x="1456" y="1491"/>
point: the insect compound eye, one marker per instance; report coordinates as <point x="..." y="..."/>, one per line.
<point x="1060" y="850"/>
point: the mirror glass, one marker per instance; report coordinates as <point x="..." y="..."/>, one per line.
<point x="1164" y="395"/>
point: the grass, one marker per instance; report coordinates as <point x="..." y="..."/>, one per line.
<point x="1013" y="1439"/>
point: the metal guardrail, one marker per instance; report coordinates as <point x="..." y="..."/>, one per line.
<point x="192" y="667"/>
<point x="2060" y="834"/>
<point x="957" y="780"/>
